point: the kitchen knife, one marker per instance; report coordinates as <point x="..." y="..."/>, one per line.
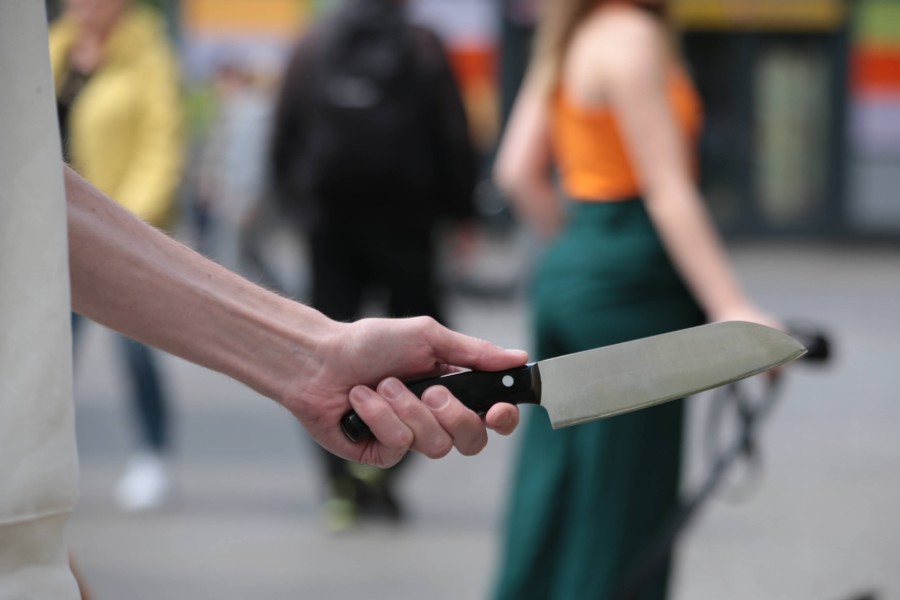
<point x="594" y="384"/>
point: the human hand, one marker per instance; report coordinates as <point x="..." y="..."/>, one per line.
<point x="749" y="313"/>
<point x="752" y="314"/>
<point x="360" y="366"/>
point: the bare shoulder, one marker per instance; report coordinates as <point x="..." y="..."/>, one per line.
<point x="621" y="39"/>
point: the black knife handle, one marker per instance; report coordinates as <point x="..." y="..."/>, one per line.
<point x="479" y="390"/>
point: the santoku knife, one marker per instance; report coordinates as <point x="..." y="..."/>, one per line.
<point x="594" y="384"/>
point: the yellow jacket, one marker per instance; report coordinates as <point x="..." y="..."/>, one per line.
<point x="125" y="126"/>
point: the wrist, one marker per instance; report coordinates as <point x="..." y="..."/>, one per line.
<point x="728" y="310"/>
<point x="268" y="342"/>
<point x="725" y="299"/>
<point x="295" y="344"/>
<point x="750" y="313"/>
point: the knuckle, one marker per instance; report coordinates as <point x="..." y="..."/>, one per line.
<point x="467" y="430"/>
<point x="459" y="421"/>
<point x="427" y="328"/>
<point x="402" y="437"/>
<point x="439" y="448"/>
<point x="477" y="446"/>
<point x="425" y="322"/>
<point x="409" y="408"/>
<point x="477" y="440"/>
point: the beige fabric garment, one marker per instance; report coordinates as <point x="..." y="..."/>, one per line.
<point x="38" y="461"/>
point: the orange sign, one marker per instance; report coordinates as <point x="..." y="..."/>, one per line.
<point x="274" y="18"/>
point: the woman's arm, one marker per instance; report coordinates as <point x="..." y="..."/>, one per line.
<point x="523" y="166"/>
<point x="136" y="280"/>
<point x="635" y="79"/>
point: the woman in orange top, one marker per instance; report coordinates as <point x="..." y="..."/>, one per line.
<point x="608" y="102"/>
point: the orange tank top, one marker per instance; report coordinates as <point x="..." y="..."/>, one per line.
<point x="590" y="152"/>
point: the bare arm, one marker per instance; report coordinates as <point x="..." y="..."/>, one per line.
<point x="137" y="280"/>
<point x="523" y="165"/>
<point x="636" y="88"/>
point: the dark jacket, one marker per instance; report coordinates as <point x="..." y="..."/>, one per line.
<point x="437" y="181"/>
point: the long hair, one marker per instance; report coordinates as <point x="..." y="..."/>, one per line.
<point x="558" y="22"/>
<point x="559" y="19"/>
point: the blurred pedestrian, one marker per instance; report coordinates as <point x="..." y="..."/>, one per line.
<point x="371" y="150"/>
<point x="631" y="253"/>
<point x="230" y="178"/>
<point x="120" y="117"/>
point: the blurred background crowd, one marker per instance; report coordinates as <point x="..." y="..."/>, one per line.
<point x="799" y="165"/>
<point x="800" y="96"/>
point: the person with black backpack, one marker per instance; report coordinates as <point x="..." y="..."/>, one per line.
<point x="370" y="151"/>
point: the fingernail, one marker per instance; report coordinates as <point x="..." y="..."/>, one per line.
<point x="390" y="388"/>
<point x="436" y="398"/>
<point x="360" y="394"/>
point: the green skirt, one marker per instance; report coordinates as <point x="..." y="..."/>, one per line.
<point x="588" y="500"/>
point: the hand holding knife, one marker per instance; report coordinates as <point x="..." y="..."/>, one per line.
<point x="595" y="384"/>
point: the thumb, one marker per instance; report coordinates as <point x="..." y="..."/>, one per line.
<point x="462" y="350"/>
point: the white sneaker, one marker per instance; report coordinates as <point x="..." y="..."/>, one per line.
<point x="145" y="484"/>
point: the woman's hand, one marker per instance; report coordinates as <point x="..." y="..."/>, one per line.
<point x="750" y="313"/>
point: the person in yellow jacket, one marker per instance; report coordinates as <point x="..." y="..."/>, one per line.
<point x="120" y="113"/>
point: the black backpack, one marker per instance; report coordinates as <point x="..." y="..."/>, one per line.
<point x="369" y="131"/>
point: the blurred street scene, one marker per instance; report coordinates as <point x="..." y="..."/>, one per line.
<point x="818" y="522"/>
<point x="800" y="160"/>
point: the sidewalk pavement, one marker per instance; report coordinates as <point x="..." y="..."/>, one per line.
<point x="820" y="522"/>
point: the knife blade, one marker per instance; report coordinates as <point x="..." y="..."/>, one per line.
<point x="611" y="380"/>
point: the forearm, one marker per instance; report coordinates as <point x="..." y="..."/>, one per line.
<point x="696" y="250"/>
<point x="136" y="280"/>
<point x="523" y="166"/>
<point x="522" y="173"/>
